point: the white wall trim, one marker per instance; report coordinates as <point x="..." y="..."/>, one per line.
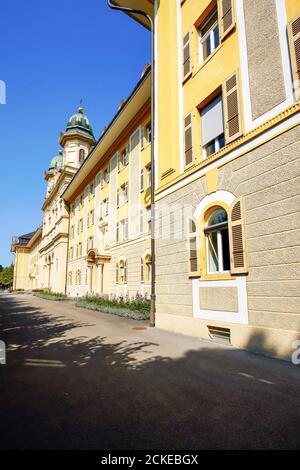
<point x="240" y="317"/>
<point x="130" y="242"/>
<point x="223" y="196"/>
<point x="250" y="124"/>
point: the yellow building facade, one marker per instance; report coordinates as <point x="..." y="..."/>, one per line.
<point x="227" y="169"/>
<point x="95" y="235"/>
<point x="109" y="200"/>
<point x="226" y="143"/>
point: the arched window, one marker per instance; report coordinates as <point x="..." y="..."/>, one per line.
<point x="121" y="272"/>
<point x="78" y="278"/>
<point x="148" y="269"/>
<point x="81" y="155"/>
<point x="217" y="242"/>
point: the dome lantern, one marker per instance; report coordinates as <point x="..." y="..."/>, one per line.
<point x="79" y="122"/>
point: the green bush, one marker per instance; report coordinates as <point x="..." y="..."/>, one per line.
<point x="50" y="295"/>
<point x="137" y="308"/>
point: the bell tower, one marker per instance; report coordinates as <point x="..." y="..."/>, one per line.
<point x="77" y="139"/>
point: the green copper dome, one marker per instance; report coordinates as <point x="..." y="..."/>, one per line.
<point x="57" y="161"/>
<point x="80" y="122"/>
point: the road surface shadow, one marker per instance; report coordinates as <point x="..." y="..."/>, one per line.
<point x="89" y="393"/>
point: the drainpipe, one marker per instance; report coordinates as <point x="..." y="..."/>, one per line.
<point x="67" y="206"/>
<point x="143" y="13"/>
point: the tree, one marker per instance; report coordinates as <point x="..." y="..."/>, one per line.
<point x="1" y="268"/>
<point x="6" y="276"/>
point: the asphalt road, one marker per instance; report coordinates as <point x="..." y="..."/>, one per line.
<point x="77" y="379"/>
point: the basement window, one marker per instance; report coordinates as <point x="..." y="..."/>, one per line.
<point x="219" y="334"/>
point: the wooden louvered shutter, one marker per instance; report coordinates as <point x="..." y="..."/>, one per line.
<point x="294" y="41"/>
<point x="125" y="272"/>
<point x="117" y="273"/>
<point x="227" y="17"/>
<point x="237" y="238"/>
<point x="142" y="269"/>
<point x="231" y="106"/>
<point x="194" y="263"/>
<point x="188" y="140"/>
<point x="187" y="65"/>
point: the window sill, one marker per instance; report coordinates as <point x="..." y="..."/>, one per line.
<point x="203" y="64"/>
<point x="218" y="277"/>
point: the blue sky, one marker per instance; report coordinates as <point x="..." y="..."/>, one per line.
<point x="52" y="54"/>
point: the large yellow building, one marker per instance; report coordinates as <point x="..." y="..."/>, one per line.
<point x="226" y="142"/>
<point x="95" y="236"/>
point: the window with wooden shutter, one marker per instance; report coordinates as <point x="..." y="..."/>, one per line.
<point x="227" y="17"/>
<point x="125" y="272"/>
<point x="188" y="140"/>
<point x="142" y="269"/>
<point x="194" y="259"/>
<point x="117" y="273"/>
<point x="294" y="41"/>
<point x="237" y="238"/>
<point x="231" y="107"/>
<point x="187" y="63"/>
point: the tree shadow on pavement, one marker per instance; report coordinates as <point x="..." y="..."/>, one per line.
<point x="59" y="392"/>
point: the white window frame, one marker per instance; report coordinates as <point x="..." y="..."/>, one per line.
<point x="219" y="248"/>
<point x="149" y="133"/>
<point x="202" y="39"/>
<point x="124" y="190"/>
<point x="148" y="177"/>
<point x="217" y="145"/>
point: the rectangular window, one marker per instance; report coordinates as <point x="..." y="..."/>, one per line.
<point x="125" y="156"/>
<point x="118" y="198"/>
<point x="142" y="180"/>
<point x="124" y="225"/>
<point x="142" y="137"/>
<point x="148" y="177"/>
<point x="149" y="134"/>
<point x="149" y="218"/>
<point x="142" y="221"/>
<point x="106" y="175"/>
<point x="80" y="250"/>
<point x="209" y="38"/>
<point x="91" y="217"/>
<point x="124" y="189"/>
<point x="105" y="206"/>
<point x="212" y="127"/>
